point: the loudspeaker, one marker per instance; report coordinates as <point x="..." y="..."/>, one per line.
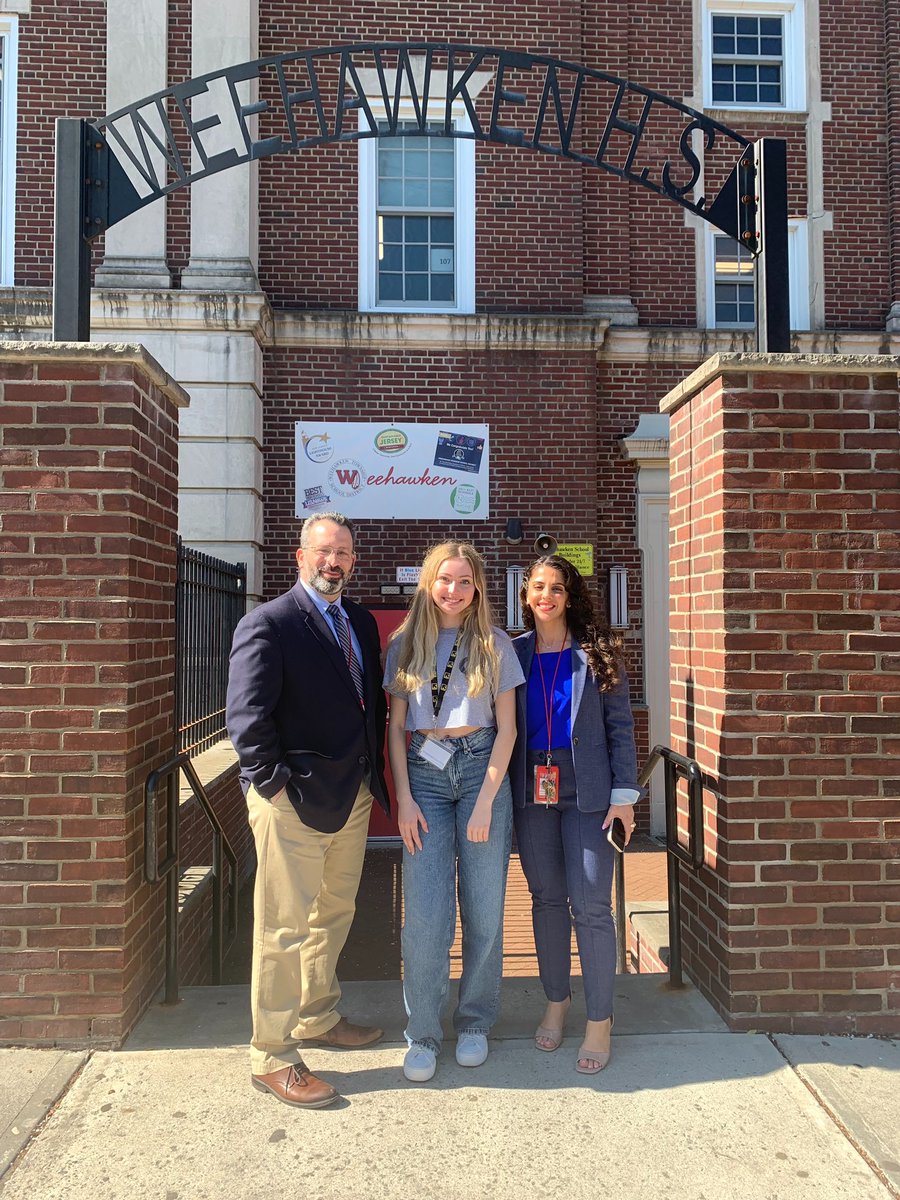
<point x="545" y="543"/>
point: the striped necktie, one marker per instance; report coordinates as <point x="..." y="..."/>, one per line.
<point x="343" y="633"/>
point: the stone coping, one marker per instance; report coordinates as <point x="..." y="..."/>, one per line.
<point x="565" y="332"/>
<point x="96" y="354"/>
<point x="211" y="765"/>
<point x="800" y="364"/>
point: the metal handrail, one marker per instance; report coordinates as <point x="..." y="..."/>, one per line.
<point x="154" y="870"/>
<point x="676" y="767"/>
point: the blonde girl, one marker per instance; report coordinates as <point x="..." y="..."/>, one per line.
<point x="452" y="675"/>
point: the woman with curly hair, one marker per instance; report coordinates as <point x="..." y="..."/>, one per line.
<point x="573" y="771"/>
<point x="452" y="677"/>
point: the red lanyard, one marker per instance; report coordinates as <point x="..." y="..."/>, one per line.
<point x="548" y="699"/>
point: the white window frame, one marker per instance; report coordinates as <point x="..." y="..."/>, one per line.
<point x="9" y="32"/>
<point x="798" y="275"/>
<point x="794" y="63"/>
<point x="464" y="218"/>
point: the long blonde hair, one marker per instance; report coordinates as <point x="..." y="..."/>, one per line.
<point x="419" y="631"/>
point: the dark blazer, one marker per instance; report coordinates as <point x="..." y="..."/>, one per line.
<point x="602" y="735"/>
<point x="293" y="714"/>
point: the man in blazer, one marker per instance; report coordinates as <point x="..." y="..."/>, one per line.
<point x="306" y="714"/>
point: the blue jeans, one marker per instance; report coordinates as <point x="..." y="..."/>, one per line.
<point x="568" y="864"/>
<point x="447" y="799"/>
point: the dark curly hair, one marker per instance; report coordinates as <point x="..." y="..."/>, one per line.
<point x="604" y="648"/>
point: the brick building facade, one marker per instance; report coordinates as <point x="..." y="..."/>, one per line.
<point x="577" y="299"/>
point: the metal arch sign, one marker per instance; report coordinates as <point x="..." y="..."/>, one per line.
<point x="110" y="168"/>
<point x="318" y="97"/>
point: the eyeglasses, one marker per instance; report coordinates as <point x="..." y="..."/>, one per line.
<point x="340" y="556"/>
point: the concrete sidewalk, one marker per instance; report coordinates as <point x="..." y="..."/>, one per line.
<point x="686" y="1111"/>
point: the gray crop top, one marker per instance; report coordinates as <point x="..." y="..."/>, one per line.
<point x="458" y="708"/>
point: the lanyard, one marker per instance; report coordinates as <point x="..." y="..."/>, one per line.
<point x="548" y="699"/>
<point x="438" y="693"/>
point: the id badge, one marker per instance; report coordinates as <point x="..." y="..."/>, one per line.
<point x="546" y="785"/>
<point x="435" y="752"/>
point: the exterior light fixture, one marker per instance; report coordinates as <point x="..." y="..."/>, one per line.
<point x="618" y="597"/>
<point x="514" y="531"/>
<point x="514" y="578"/>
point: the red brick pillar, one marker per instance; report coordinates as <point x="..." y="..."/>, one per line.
<point x="785" y="652"/>
<point x="89" y="464"/>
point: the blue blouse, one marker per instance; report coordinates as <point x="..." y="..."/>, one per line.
<point x="560" y="700"/>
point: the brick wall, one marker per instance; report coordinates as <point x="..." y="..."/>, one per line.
<point x="857" y="255"/>
<point x="89" y="462"/>
<point x="548" y="232"/>
<point x="178" y="204"/>
<point x="542" y="415"/>
<point x="62" y="73"/>
<point x="785" y="564"/>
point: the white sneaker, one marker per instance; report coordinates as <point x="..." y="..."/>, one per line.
<point x="471" y="1049"/>
<point x="419" y="1063"/>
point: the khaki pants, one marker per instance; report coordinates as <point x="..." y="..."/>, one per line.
<point x="303" y="905"/>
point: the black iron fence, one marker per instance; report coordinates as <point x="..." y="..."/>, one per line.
<point x="210" y="600"/>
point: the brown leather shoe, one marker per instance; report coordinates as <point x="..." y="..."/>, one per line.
<point x="296" y="1086"/>
<point x="347" y="1036"/>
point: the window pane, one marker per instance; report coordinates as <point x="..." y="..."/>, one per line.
<point x="417" y="287"/>
<point x="416" y="229"/>
<point x="442" y="231"/>
<point x="442" y="288"/>
<point x="390" y="287"/>
<point x="417" y="258"/>
<point x="392" y="229"/>
<point x="415" y="193"/>
<point x="390" y="192"/>
<point x="442" y="166"/>
<point x="442" y="193"/>
<point x="415" y="164"/>
<point x="390" y="162"/>
<point x="391" y="258"/>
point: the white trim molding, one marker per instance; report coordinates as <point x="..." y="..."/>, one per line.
<point x="9" y="32"/>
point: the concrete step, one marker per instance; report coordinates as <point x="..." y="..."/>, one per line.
<point x="214" y="1017"/>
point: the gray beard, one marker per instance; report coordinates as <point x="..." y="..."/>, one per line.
<point x="326" y="587"/>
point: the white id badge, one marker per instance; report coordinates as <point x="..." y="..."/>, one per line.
<point x="435" y="752"/>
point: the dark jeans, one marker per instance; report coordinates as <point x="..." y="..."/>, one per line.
<point x="568" y="864"/>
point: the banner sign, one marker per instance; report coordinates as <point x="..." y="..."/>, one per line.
<point x="388" y="472"/>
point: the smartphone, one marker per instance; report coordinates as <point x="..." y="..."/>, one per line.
<point x="615" y="835"/>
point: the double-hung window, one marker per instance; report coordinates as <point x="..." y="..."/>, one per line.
<point x="754" y="54"/>
<point x="747" y="60"/>
<point x="8" y="70"/>
<point x="731" y="280"/>
<point x="416" y="222"/>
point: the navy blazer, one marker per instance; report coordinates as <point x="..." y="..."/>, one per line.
<point x="603" y="747"/>
<point x="293" y="714"/>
